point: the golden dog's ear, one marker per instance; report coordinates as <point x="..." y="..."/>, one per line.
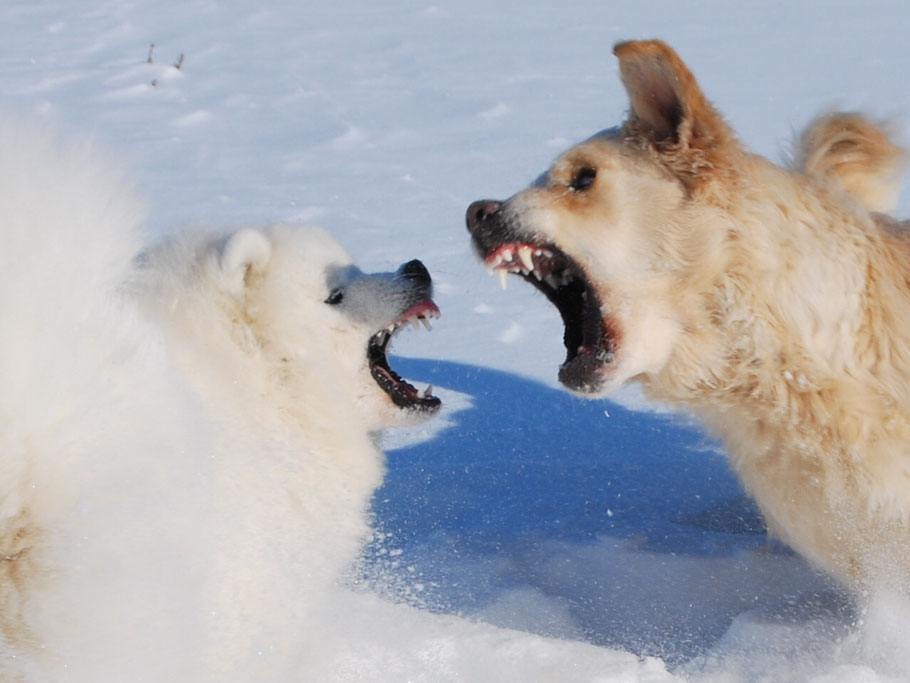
<point x="668" y="111"/>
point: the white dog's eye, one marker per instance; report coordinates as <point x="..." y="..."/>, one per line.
<point x="583" y="179"/>
<point x="335" y="297"/>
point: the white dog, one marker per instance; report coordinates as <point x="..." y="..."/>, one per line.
<point x="186" y="445"/>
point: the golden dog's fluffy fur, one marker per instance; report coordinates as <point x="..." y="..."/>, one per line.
<point x="773" y="303"/>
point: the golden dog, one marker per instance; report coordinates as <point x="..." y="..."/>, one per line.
<point x="772" y="303"/>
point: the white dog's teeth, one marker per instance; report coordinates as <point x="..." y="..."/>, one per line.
<point x="526" y="257"/>
<point x="507" y="255"/>
<point x="413" y="322"/>
<point x="502" y="277"/>
<point x="426" y="323"/>
<point x="537" y="274"/>
<point x="428" y="391"/>
<point x="550" y="280"/>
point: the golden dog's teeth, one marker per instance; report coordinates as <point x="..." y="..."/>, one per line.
<point x="502" y="277"/>
<point x="526" y="257"/>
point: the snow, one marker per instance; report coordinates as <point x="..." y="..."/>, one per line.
<point x="525" y="535"/>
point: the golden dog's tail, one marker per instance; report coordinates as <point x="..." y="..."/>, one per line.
<point x="858" y="155"/>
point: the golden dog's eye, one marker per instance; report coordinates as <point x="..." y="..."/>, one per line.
<point x="335" y="297"/>
<point x="583" y="179"/>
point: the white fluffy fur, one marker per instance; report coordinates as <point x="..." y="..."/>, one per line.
<point x="185" y="449"/>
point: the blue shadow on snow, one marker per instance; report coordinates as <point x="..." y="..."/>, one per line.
<point x="529" y="462"/>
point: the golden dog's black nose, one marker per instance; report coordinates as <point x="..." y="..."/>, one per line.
<point x="479" y="212"/>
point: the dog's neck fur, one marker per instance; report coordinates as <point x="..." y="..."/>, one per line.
<point x="798" y="358"/>
<point x="815" y="336"/>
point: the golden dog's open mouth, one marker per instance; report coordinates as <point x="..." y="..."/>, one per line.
<point x="590" y="338"/>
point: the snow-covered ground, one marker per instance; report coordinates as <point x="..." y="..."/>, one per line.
<point x="613" y="530"/>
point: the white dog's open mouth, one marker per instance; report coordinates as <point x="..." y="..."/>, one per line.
<point x="403" y="394"/>
<point x="590" y="338"/>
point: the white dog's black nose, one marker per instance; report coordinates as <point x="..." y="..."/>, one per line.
<point x="416" y="272"/>
<point x="478" y="212"/>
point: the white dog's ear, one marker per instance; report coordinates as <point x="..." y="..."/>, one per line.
<point x="670" y="112"/>
<point x="246" y="251"/>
